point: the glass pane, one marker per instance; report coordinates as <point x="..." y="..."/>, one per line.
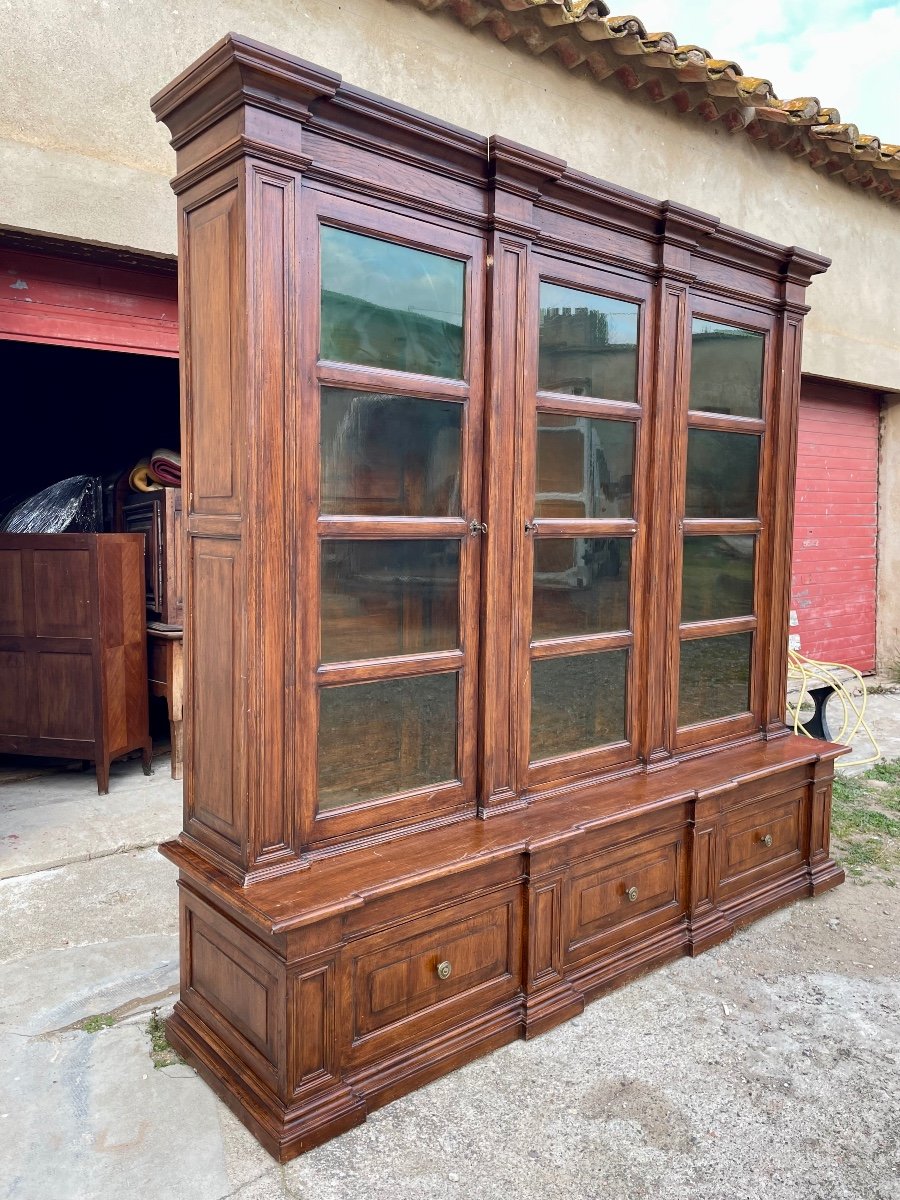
<point x="577" y="702"/>
<point x="717" y="579"/>
<point x="588" y="344"/>
<point x="722" y="474"/>
<point x="391" y="597"/>
<point x="388" y="455"/>
<point x="584" y="467"/>
<point x="726" y="369"/>
<point x="580" y="586"/>
<point x="386" y="305"/>
<point x="715" y="678"/>
<point x="377" y="739"/>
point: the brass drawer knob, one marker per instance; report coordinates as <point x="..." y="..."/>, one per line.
<point x="766" y="839"/>
<point x="632" y="894"/>
<point x="444" y="969"/>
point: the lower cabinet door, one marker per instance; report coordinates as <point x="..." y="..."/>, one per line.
<point x="433" y="971"/>
<point x="760" y="839"/>
<point x="622" y="893"/>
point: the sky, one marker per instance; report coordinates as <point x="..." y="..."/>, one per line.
<point x="845" y="52"/>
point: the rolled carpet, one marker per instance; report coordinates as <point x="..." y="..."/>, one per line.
<point x="140" y="479"/>
<point x="165" y="466"/>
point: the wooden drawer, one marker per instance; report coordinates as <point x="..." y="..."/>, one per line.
<point x="623" y="892"/>
<point x="757" y="840"/>
<point x="396" y="976"/>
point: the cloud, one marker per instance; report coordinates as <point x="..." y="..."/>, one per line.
<point x="843" y="53"/>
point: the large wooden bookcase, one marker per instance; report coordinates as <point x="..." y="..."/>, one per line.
<point x="488" y="497"/>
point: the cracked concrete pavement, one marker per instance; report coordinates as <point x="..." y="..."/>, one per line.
<point x="769" y="1067"/>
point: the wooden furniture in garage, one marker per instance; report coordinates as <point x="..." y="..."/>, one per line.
<point x="165" y="671"/>
<point x="158" y="516"/>
<point x="73" y="665"/>
<point x="490" y="471"/>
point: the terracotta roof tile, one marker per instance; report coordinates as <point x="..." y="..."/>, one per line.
<point x="583" y="35"/>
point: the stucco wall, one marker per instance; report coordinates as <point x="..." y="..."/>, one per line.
<point x="80" y="155"/>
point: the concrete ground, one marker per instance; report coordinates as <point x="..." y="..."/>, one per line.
<point x="769" y="1067"/>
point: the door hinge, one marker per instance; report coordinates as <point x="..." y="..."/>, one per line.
<point x="476" y="527"/>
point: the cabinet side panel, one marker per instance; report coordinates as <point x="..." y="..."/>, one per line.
<point x="12" y="603"/>
<point x="123" y="646"/>
<point x="62" y="593"/>
<point x="14" y="690"/>
<point x="211" y="365"/>
<point x="270" y="266"/>
<point x="213" y="793"/>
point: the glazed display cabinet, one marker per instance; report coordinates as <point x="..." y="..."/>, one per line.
<point x="488" y="498"/>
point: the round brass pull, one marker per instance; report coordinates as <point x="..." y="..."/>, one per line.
<point x="632" y="894"/>
<point x="766" y="839"/>
<point x="444" y="969"/>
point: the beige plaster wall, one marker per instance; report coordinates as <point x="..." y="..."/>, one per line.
<point x="80" y="154"/>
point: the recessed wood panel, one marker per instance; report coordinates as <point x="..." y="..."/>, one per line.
<point x="605" y="900"/>
<point x="397" y="981"/>
<point x="12" y="613"/>
<point x="229" y="981"/>
<point x="216" y="638"/>
<point x="62" y="593"/>
<point x="65" y="696"/>
<point x="15" y="715"/>
<point x="311" y="1046"/>
<point x="761" y="838"/>
<point x="210" y="312"/>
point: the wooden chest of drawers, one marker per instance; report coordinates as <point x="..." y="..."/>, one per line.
<point x="73" y="656"/>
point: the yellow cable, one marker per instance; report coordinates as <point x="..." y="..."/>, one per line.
<point x="805" y="670"/>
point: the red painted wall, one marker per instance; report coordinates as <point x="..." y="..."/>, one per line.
<point x="836" y="524"/>
<point x="44" y="298"/>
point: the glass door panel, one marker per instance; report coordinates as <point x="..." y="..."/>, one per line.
<point x="722" y="526"/>
<point x="587" y="344"/>
<point x="717" y="577"/>
<point x="577" y="703"/>
<point x="726" y="369"/>
<point x="722" y="474"/>
<point x="715" y="678"/>
<point x="392" y="306"/>
<point x="397" y="465"/>
<point x="581" y="586"/>
<point x="377" y="739"/>
<point x="384" y="598"/>
<point x="388" y="455"/>
<point x="582" y="503"/>
<point x="585" y="467"/>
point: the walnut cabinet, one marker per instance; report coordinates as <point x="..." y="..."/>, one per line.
<point x="488" y="500"/>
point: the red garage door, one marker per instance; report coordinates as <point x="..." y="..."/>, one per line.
<point x="99" y="304"/>
<point x="836" y="523"/>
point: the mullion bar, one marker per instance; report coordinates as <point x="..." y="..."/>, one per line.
<point x="720" y="526"/>
<point x="582" y="644"/>
<point x="392" y="527"/>
<point x="587" y="406"/>
<point x="688" y="631"/>
<point x="395" y="667"/>
<point x="383" y="379"/>
<point x="582" y="527"/>
<point x="725" y="422"/>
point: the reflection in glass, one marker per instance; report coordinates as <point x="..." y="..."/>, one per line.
<point x="717" y="578"/>
<point x="577" y="702"/>
<point x="386" y="305"/>
<point x="378" y="739"/>
<point x="389" y="455"/>
<point x="722" y="474"/>
<point x="715" y="678"/>
<point x="588" y="344"/>
<point x="584" y="467"/>
<point x="580" y="586"/>
<point x="726" y="369"/>
<point x="381" y="598"/>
